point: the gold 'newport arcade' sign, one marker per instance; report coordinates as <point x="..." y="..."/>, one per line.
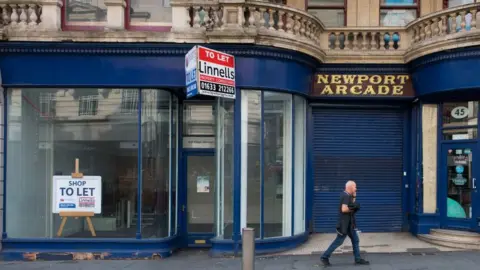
<point x="354" y="85"/>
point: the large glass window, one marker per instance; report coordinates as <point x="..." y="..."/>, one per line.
<point x="251" y="151"/>
<point x="277" y="160"/>
<point x="330" y="12"/>
<point x="398" y="12"/>
<point x="90" y="13"/>
<point x="299" y="163"/>
<point x="460" y="120"/>
<point x="149" y="13"/>
<point x="49" y="128"/>
<point x="224" y="156"/>
<point x="267" y="172"/>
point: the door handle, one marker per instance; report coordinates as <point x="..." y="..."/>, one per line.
<point x="474" y="185"/>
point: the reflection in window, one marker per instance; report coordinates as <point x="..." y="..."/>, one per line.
<point x="225" y="164"/>
<point x="251" y="176"/>
<point x="277" y="149"/>
<point x="397" y="17"/>
<point x="47" y="132"/>
<point x="330" y="12"/>
<point x="299" y="163"/>
<point x="267" y="120"/>
<point x="85" y="12"/>
<point x="150" y="13"/>
<point x="459" y="183"/>
<point x="157" y="163"/>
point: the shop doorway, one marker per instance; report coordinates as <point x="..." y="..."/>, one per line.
<point x="200" y="197"/>
<point x="459" y="199"/>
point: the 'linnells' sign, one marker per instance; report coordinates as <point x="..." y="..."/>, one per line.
<point x="209" y="72"/>
<point x="354" y="85"/>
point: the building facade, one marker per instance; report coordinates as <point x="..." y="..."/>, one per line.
<point x="381" y="92"/>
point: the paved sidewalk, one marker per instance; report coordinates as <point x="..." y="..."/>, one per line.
<point x="196" y="260"/>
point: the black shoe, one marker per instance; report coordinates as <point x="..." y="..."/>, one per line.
<point x="362" y="262"/>
<point x="325" y="261"/>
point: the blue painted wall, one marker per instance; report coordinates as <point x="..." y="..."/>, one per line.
<point x="449" y="75"/>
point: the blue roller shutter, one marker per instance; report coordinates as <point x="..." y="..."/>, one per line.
<point x="365" y="145"/>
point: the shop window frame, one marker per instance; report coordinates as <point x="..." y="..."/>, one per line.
<point x="415" y="7"/>
<point x="334" y="7"/>
<point x="130" y="27"/>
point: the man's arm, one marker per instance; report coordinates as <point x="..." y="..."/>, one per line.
<point x="345" y="200"/>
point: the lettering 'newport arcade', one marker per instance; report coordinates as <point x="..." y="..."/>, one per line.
<point x="131" y="129"/>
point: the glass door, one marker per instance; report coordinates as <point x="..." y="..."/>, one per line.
<point x="459" y="187"/>
<point x="200" y="213"/>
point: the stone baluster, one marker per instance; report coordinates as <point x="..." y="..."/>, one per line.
<point x="336" y="40"/>
<point x="444" y="21"/>
<point x="453" y="17"/>
<point x="23" y="14"/>
<point x="281" y="14"/>
<point x="422" y="31"/>
<point x="399" y="40"/>
<point x="271" y="21"/>
<point x="463" y="22"/>
<point x="308" y="29"/>
<point x="14" y="15"/>
<point x="364" y="40"/>
<point x="302" y="26"/>
<point x="296" y="24"/>
<point x="251" y="18"/>
<point x="428" y="29"/>
<point x="436" y="26"/>
<point x="5" y="15"/>
<point x="262" y="20"/>
<point x="372" y="41"/>
<point x="355" y="41"/>
<point x="384" y="42"/>
<point x="196" y="16"/>
<point x="32" y="12"/>
<point x="289" y="20"/>
<point x="473" y="23"/>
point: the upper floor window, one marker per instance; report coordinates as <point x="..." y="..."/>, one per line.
<point x="88" y="105"/>
<point x="456" y="3"/>
<point x="330" y="12"/>
<point x="85" y="14"/>
<point x="398" y="12"/>
<point x="149" y="14"/>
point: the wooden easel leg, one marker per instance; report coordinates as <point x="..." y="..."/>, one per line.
<point x="62" y="225"/>
<point x="90" y="226"/>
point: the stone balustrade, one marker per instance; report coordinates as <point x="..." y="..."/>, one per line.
<point x="25" y="15"/>
<point x="245" y="21"/>
<point x="450" y="28"/>
<point x="267" y="23"/>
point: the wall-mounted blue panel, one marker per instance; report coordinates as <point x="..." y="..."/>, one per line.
<point x="449" y="74"/>
<point x="145" y="65"/>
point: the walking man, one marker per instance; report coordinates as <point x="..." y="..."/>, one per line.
<point x="346" y="225"/>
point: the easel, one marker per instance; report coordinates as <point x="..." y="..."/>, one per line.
<point x="76" y="215"/>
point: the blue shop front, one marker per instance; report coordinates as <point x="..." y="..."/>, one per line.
<point x="447" y="85"/>
<point x="170" y="171"/>
<point x="162" y="171"/>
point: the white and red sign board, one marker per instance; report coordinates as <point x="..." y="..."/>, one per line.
<point x="209" y="72"/>
<point x="77" y="194"/>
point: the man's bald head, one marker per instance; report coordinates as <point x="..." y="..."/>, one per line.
<point x="351" y="187"/>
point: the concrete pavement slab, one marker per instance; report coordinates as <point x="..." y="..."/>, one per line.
<point x="196" y="260"/>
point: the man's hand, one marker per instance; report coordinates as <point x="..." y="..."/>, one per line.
<point x="354" y="206"/>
